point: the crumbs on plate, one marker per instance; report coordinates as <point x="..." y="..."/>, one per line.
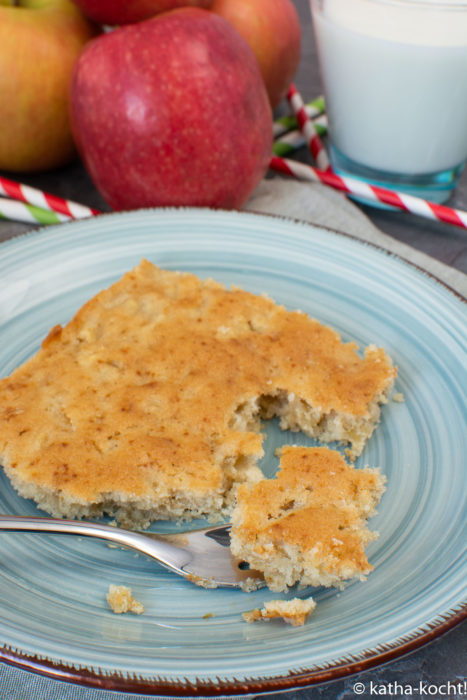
<point x="121" y="600"/>
<point x="294" y="612"/>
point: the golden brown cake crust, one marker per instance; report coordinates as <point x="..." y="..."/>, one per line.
<point x="307" y="525"/>
<point x="135" y="400"/>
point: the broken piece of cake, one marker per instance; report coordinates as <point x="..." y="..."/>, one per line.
<point x="307" y="525"/>
<point x="294" y="612"/>
<point x="147" y="404"/>
<point x="121" y="600"/>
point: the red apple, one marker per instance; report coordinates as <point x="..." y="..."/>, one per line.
<point x="40" y="41"/>
<point x="272" y="29"/>
<point x="125" y="11"/>
<point x="172" y="111"/>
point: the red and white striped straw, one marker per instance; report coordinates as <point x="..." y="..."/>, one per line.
<point x="307" y="128"/>
<point x="44" y="200"/>
<point x="13" y="210"/>
<point x="352" y="186"/>
<point x="314" y="108"/>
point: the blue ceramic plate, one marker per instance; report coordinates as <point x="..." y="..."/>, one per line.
<point x="192" y="641"/>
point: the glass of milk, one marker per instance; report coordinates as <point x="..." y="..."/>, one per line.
<point x="394" y="75"/>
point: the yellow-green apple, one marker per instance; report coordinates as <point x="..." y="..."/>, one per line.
<point x="272" y="29"/>
<point x="40" y="41"/>
<point x="172" y="111"/>
<point x="125" y="12"/>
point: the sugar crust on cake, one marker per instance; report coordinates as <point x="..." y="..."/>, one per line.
<point x="147" y="404"/>
<point x="307" y="525"/>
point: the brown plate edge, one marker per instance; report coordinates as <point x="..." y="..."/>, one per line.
<point x="118" y="681"/>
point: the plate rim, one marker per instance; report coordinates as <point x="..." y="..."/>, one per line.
<point x="367" y="659"/>
<point x="16" y="238"/>
<point x="295" y="680"/>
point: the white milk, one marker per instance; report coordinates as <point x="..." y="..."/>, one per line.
<point x="395" y="77"/>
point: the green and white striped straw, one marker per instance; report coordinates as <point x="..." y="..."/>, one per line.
<point x="288" y="143"/>
<point x="12" y="210"/>
<point x="313" y="109"/>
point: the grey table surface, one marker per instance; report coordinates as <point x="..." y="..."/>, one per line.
<point x="442" y="660"/>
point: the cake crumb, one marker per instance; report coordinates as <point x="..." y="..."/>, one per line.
<point x="121" y="600"/>
<point x="294" y="612"/>
<point x="201" y="581"/>
<point x="398" y="397"/>
<point x="251" y="584"/>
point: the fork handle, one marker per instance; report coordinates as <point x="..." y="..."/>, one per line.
<point x="23" y="523"/>
<point x="168" y="554"/>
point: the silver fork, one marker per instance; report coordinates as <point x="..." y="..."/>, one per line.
<point x="201" y="556"/>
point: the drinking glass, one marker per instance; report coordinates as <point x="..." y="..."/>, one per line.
<point x="394" y="75"/>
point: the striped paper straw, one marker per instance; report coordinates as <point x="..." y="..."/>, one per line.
<point x="305" y="124"/>
<point x="351" y="186"/>
<point x="44" y="200"/>
<point x="284" y="124"/>
<point x="13" y="210"/>
<point x="293" y="140"/>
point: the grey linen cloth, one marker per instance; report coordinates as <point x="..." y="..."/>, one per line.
<point x="324" y="206"/>
<point x="318" y="205"/>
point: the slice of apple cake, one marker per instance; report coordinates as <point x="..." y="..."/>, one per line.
<point x="147" y="404"/>
<point x="307" y="525"/>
